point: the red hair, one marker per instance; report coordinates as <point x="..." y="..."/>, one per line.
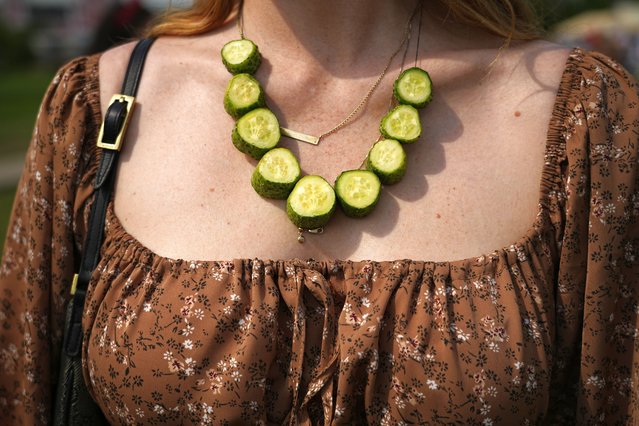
<point x="511" y="19"/>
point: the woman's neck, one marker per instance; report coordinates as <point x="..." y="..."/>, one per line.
<point x="334" y="33"/>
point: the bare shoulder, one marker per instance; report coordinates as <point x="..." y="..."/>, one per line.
<point x="113" y="64"/>
<point x="170" y="61"/>
<point x="541" y="62"/>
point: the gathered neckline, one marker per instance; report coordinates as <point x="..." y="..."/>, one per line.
<point x="550" y="179"/>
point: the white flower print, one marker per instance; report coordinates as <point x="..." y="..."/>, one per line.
<point x="485" y="409"/>
<point x="596" y="381"/>
<point x="233" y="362"/>
<point x="188" y="330"/>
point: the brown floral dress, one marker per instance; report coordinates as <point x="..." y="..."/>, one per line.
<point x="544" y="331"/>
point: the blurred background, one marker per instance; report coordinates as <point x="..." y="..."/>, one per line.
<point x="37" y="36"/>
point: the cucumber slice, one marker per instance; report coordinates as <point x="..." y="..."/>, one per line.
<point x="256" y="132"/>
<point x="243" y="94"/>
<point x="358" y="192"/>
<point x="387" y="159"/>
<point x="241" y="56"/>
<point x="311" y="203"/>
<point x="276" y="174"/>
<point x="402" y="124"/>
<point x="413" y="87"/>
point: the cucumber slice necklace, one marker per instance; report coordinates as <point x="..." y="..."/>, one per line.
<point x="311" y="200"/>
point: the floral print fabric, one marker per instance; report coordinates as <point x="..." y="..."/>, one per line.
<point x="544" y="331"/>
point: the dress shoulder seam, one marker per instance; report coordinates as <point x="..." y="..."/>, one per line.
<point x="556" y="138"/>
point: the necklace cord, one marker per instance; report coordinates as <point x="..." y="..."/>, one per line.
<point x="393" y="102"/>
<point x="405" y="41"/>
<point x="240" y="18"/>
<point x="371" y="90"/>
<point x="419" y="30"/>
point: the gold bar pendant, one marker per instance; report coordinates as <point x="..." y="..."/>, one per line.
<point x="302" y="137"/>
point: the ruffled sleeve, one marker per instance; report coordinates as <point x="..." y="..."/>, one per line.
<point x="40" y="252"/>
<point x="596" y="361"/>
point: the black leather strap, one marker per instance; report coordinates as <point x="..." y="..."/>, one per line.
<point x="113" y="122"/>
<point x="136" y="63"/>
<point x="103" y="188"/>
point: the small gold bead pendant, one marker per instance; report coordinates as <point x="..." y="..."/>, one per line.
<point x="300" y="235"/>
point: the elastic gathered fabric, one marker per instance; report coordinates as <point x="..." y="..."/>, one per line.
<point x="316" y="342"/>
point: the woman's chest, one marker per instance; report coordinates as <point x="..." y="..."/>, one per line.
<point x="472" y="184"/>
<point x="455" y="201"/>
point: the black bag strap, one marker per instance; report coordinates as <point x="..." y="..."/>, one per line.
<point x="110" y="140"/>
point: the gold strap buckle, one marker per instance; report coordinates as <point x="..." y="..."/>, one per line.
<point x="74" y="284"/>
<point x="117" y="143"/>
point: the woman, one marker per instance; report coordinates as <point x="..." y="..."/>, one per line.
<point x="526" y="146"/>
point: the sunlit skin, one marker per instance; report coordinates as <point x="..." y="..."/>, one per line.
<point x="473" y="179"/>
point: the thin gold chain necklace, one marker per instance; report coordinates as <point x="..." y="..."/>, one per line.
<point x="311" y="200"/>
<point x="315" y="140"/>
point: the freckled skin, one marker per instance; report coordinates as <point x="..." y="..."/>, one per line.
<point x="456" y="170"/>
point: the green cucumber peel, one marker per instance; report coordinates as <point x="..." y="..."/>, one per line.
<point x="402" y="123"/>
<point x="256" y="133"/>
<point x="243" y="94"/>
<point x="241" y="56"/>
<point x="276" y="174"/>
<point x="413" y="87"/>
<point x="358" y="192"/>
<point x="387" y="159"/>
<point x="311" y="203"/>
